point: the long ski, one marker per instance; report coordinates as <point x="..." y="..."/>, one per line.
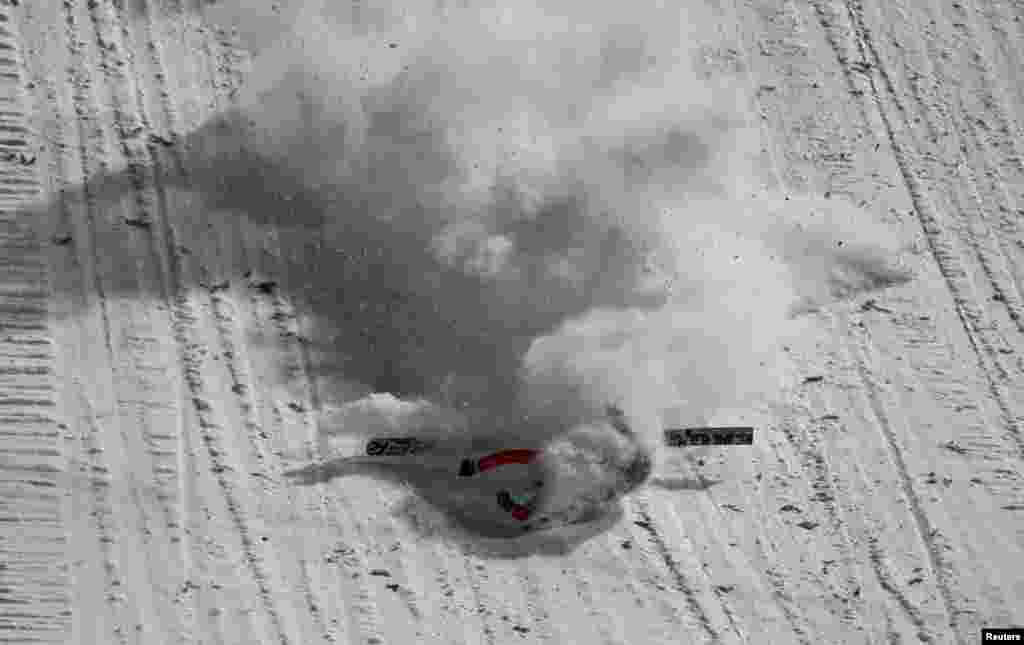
<point x="723" y="436"/>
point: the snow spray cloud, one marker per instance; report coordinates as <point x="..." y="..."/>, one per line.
<point x="559" y="187"/>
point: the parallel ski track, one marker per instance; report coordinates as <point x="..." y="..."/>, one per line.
<point x="940" y="567"/>
<point x="821" y="478"/>
<point x="98" y="437"/>
<point x="1000" y="201"/>
<point x="948" y="263"/>
<point x="808" y="444"/>
<point x="834" y="500"/>
<point x="145" y="337"/>
<point x="90" y="123"/>
<point x="982" y="439"/>
<point x="649" y="570"/>
<point x="690" y="577"/>
<point x="972" y="317"/>
<point x="838" y="506"/>
<point x="984" y="183"/>
<point x="817" y="462"/>
<point x="680" y="583"/>
<point x="144" y="169"/>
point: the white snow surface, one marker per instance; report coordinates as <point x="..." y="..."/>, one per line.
<point x="238" y="239"/>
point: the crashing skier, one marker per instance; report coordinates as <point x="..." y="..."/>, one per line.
<point x="504" y="489"/>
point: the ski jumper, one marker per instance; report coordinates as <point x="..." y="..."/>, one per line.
<point x="519" y="506"/>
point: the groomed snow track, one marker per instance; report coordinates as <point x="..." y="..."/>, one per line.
<point x="149" y="405"/>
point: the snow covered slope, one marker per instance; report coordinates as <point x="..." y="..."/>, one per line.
<point x="221" y="223"/>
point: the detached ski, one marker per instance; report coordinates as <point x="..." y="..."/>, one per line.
<point x="397" y="446"/>
<point x="724" y="436"/>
